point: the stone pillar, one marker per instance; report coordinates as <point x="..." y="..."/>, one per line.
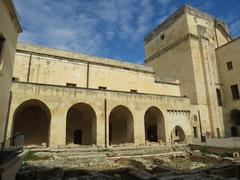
<point x="100" y="127"/>
<point x="57" y="135"/>
<point x="139" y="129"/>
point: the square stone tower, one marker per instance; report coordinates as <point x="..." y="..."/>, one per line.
<point x="183" y="48"/>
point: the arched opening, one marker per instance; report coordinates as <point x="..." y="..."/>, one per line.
<point x="154" y="125"/>
<point x="81" y="125"/>
<point x="178" y="135"/>
<point x="121" y="126"/>
<point x="234" y="131"/>
<point x="219" y="97"/>
<point x="32" y="118"/>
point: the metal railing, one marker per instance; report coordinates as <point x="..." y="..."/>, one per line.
<point x="14" y="143"/>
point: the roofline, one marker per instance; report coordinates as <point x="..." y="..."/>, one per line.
<point x="13" y="13"/>
<point x="75" y="56"/>
<point x="178" y="13"/>
<point x="233" y="40"/>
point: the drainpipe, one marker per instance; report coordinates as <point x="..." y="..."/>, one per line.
<point x="105" y="118"/>
<point x="87" y="85"/>
<point x="7" y="117"/>
<point x="29" y="67"/>
<point x="200" y="123"/>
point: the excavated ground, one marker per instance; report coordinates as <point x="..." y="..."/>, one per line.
<point x="141" y="164"/>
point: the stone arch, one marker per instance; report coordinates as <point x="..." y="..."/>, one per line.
<point x="33" y="118"/>
<point x="121" y="125"/>
<point x="81" y="125"/>
<point x="154" y="125"/>
<point x="177" y="134"/>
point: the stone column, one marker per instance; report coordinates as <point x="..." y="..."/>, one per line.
<point x="139" y="129"/>
<point x="57" y="135"/>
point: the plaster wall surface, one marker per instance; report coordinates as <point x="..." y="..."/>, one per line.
<point x="9" y="32"/>
<point x="46" y="69"/>
<point x="229" y="53"/>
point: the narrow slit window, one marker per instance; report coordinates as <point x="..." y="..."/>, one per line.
<point x="102" y="88"/>
<point x="235" y="92"/>
<point x="133" y="91"/>
<point x="2" y="41"/>
<point x="229" y="65"/>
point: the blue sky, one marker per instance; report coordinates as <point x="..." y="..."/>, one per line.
<point x="108" y="28"/>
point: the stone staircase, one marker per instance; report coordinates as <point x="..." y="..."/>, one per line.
<point x="104" y="157"/>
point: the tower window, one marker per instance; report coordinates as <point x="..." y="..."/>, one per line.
<point x="2" y="41"/>
<point x="235" y="92"/>
<point x="219" y="98"/>
<point x="229" y="65"/>
<point x="162" y="36"/>
<point x="195" y="132"/>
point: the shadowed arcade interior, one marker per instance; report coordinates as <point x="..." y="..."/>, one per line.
<point x="81" y="125"/>
<point x="235" y="121"/>
<point x="178" y="135"/>
<point x="121" y="126"/>
<point x="154" y="125"/>
<point x="33" y="119"/>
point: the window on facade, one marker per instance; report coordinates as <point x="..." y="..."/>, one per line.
<point x="71" y="85"/>
<point x="195" y="118"/>
<point x="2" y="40"/>
<point x="102" y="88"/>
<point x="229" y="65"/>
<point x="219" y="98"/>
<point x="235" y="92"/>
<point x="162" y="36"/>
<point x="133" y="91"/>
<point x="15" y="79"/>
<point x="195" y="132"/>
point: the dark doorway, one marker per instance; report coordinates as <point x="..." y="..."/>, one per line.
<point x="234" y="131"/>
<point x="78" y="136"/>
<point x="152" y="134"/>
<point x="218" y="133"/>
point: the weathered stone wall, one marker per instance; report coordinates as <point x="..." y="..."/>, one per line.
<point x="196" y="36"/>
<point x="9" y="31"/>
<point x="229" y="53"/>
<point x="50" y="66"/>
<point x="58" y="99"/>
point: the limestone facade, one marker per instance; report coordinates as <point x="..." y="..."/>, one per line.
<point x="64" y="98"/>
<point x="59" y="96"/>
<point x="188" y="40"/>
<point x="228" y="56"/>
<point x="9" y="29"/>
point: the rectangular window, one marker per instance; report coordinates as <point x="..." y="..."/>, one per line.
<point x="235" y="92"/>
<point x="15" y="79"/>
<point x="133" y="91"/>
<point x="229" y="65"/>
<point x="102" y="88"/>
<point x="71" y="85"/>
<point x="2" y="40"/>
